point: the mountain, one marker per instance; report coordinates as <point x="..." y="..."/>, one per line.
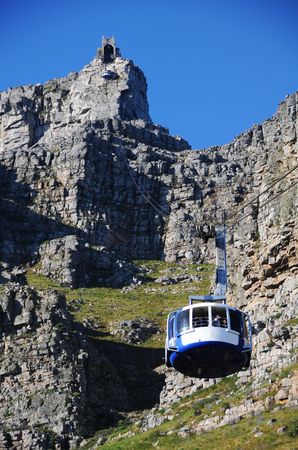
<point x="92" y="192"/>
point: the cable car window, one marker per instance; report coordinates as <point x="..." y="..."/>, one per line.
<point x="245" y="328"/>
<point x="235" y="319"/>
<point x="171" y="327"/>
<point x="200" y="317"/>
<point x="219" y="317"/>
<point x="182" y="321"/>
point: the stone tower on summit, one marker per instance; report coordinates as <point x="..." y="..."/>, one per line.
<point x="108" y="50"/>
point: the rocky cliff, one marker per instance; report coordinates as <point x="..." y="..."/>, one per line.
<point x="67" y="150"/>
<point x="262" y="247"/>
<point x="88" y="185"/>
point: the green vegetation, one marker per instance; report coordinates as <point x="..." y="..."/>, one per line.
<point x="7" y="413"/>
<point x="284" y="373"/>
<point x="288" y="371"/>
<point x="97" y="308"/>
<point x="277" y="315"/>
<point x="257" y="432"/>
<point x="41" y="282"/>
<point x="150" y="300"/>
<point x="292" y="322"/>
<point x="250" y="433"/>
<point x="293" y="427"/>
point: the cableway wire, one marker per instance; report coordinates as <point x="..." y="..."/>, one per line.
<point x="222" y="187"/>
<point x="159" y="209"/>
<point x="240" y="210"/>
<point x="262" y="205"/>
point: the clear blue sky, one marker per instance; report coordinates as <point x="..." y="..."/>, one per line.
<point x="214" y="67"/>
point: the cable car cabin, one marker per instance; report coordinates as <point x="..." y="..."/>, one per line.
<point x="109" y="75"/>
<point x="208" y="339"/>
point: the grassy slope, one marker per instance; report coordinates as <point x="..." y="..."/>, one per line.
<point x="242" y="436"/>
<point x="149" y="300"/>
<point x="257" y="432"/>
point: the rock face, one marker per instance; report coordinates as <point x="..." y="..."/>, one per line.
<point x="80" y="156"/>
<point x="125" y="184"/>
<point x="134" y="331"/>
<point x="262" y="241"/>
<point x="50" y="391"/>
<point x="43" y="381"/>
<point x="88" y="182"/>
<point x="68" y="165"/>
<point x="72" y="263"/>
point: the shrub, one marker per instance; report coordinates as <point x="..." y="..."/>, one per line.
<point x="225" y="406"/>
<point x="293" y="428"/>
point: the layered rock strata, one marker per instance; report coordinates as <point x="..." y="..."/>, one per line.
<point x="124" y="184"/>
<point x="66" y="154"/>
<point x="49" y="392"/>
<point x="43" y="380"/>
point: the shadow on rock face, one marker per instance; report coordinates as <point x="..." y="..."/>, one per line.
<point x="133" y="368"/>
<point x="63" y="250"/>
<point x="21" y="229"/>
<point x="121" y="197"/>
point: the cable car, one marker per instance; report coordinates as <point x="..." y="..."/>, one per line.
<point x="109" y="75"/>
<point x="208" y="338"/>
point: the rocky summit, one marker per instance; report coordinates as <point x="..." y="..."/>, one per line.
<point x="89" y="186"/>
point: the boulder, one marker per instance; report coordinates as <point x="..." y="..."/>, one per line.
<point x="70" y="262"/>
<point x="133" y="331"/>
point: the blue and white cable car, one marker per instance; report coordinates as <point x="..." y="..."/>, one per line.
<point x="109" y="75"/>
<point x="208" y="338"/>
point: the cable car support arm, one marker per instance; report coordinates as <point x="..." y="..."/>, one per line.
<point x="221" y="270"/>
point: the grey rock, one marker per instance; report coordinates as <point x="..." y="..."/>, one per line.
<point x="282" y="394"/>
<point x="71" y="263"/>
<point x="269" y="402"/>
<point x="184" y="432"/>
<point x="164" y="280"/>
<point x="286" y="382"/>
<point x="41" y="369"/>
<point x="282" y="333"/>
<point x="134" y="331"/>
<point x="152" y="420"/>
<point x="101" y="440"/>
<point x="47" y="370"/>
<point x="258" y="326"/>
